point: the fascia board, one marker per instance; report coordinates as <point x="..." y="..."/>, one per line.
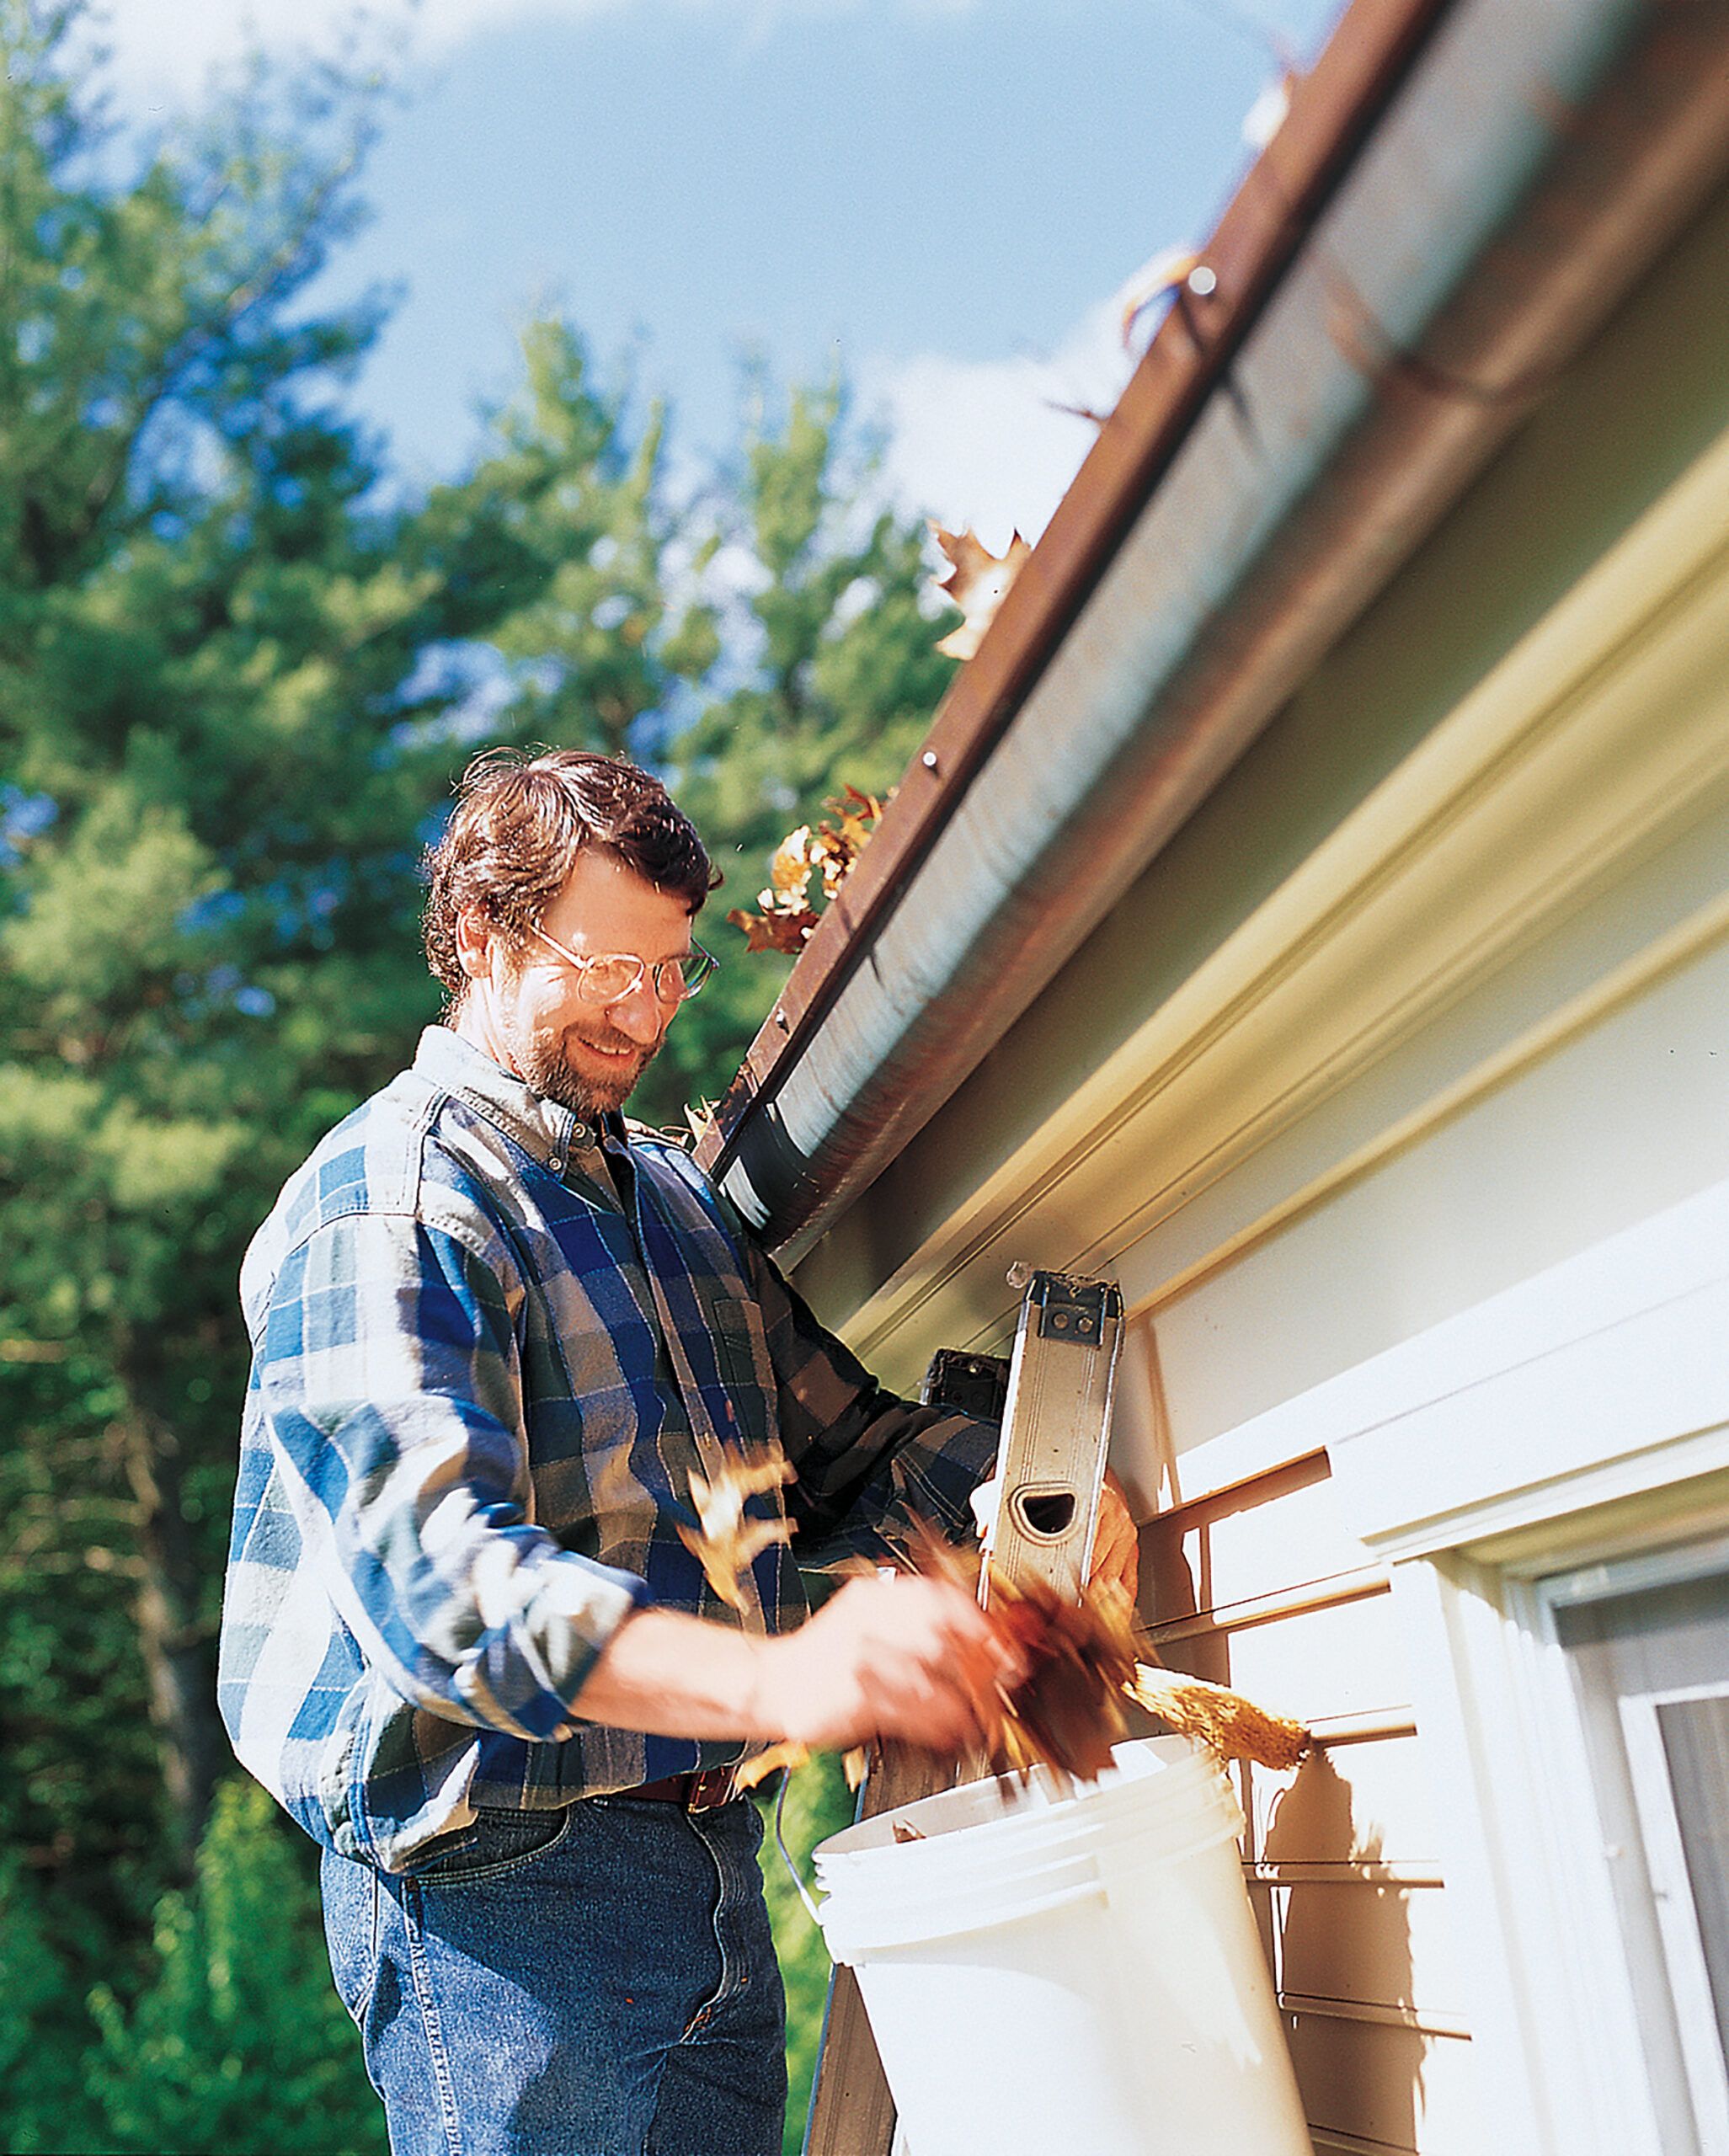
<point x="1540" y="791"/>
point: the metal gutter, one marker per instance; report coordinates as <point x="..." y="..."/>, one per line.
<point x="1458" y="198"/>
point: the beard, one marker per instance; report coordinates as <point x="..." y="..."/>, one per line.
<point x="542" y="1060"/>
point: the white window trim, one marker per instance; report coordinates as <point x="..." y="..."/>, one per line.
<point x="1552" y="2009"/>
<point x="1580" y="1420"/>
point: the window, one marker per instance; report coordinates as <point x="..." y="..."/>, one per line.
<point x="1646" y="1643"/>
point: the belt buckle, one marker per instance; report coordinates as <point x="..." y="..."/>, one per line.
<point x="711" y="1789"/>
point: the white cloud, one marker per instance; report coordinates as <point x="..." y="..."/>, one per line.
<point x="168" y="47"/>
<point x="988" y="442"/>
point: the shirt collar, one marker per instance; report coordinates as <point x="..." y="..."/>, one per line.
<point x="552" y="1134"/>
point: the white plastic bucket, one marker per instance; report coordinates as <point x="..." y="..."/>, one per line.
<point x="1046" y="1974"/>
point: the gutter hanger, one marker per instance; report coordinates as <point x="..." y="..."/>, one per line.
<point x="1521" y="169"/>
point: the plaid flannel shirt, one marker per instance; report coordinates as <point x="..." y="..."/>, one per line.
<point x="491" y="1343"/>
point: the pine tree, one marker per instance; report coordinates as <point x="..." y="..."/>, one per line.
<point x="236" y="677"/>
<point x="830" y="677"/>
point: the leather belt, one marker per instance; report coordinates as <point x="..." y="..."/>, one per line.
<point x="692" y="1792"/>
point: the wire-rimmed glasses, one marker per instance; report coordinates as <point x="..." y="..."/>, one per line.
<point x="605" y="977"/>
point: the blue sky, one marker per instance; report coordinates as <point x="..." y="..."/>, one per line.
<point x="942" y="194"/>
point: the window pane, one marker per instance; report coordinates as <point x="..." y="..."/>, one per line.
<point x="1696" y="1734"/>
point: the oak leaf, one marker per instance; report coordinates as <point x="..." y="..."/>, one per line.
<point x="774" y="929"/>
<point x="977" y="583"/>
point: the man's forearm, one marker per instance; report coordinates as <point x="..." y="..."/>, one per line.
<point x="673" y="1675"/>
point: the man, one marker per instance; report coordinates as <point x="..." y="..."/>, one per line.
<point x="496" y="1333"/>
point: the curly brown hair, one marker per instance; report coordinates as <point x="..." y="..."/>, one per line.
<point x="518" y="825"/>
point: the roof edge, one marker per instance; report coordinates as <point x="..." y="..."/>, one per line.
<point x="1333" y="110"/>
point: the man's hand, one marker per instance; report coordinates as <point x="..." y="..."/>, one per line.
<point x="895" y="1656"/>
<point x="1116" y="1546"/>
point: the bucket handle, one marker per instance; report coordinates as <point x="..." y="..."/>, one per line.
<point x="788" y="1857"/>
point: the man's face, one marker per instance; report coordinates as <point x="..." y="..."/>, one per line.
<point x="586" y="1056"/>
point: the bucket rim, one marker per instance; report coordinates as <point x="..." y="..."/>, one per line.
<point x="1190" y="1781"/>
<point x="872" y="1916"/>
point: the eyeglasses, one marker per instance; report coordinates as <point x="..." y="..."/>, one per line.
<point x="608" y="977"/>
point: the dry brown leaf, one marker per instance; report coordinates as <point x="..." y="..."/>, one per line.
<point x="1231" y="1726"/>
<point x="725" y="1541"/>
<point x="775" y="929"/>
<point x="905" y="1831"/>
<point x="977" y="583"/>
<point x="788" y="1753"/>
<point x="1082" y="1664"/>
<point x="1066" y="1711"/>
<point x="1079" y="1660"/>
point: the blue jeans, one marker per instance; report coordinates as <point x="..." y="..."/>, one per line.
<point x="594" y="1982"/>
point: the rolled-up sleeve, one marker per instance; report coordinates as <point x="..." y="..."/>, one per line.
<point x="869" y="1464"/>
<point x="392" y="1392"/>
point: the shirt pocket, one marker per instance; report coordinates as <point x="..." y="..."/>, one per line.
<point x="741" y="1360"/>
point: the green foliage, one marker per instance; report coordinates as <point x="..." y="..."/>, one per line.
<point x="45" y="2029"/>
<point x="587" y="656"/>
<point x="203" y="634"/>
<point x="818" y="1804"/>
<point x="79" y="1798"/>
<point x="239" y="2042"/>
<point x="235" y="676"/>
<point x="233" y="2039"/>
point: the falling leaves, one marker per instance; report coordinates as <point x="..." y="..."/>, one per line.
<point x="1231" y="1726"/>
<point x="726" y="1541"/>
<point x="1081" y="1667"/>
<point x="826" y="851"/>
<point x="977" y="583"/>
<point x="788" y="1753"/>
<point x="1078" y="1659"/>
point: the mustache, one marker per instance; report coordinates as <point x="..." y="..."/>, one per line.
<point x="611" y="1043"/>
